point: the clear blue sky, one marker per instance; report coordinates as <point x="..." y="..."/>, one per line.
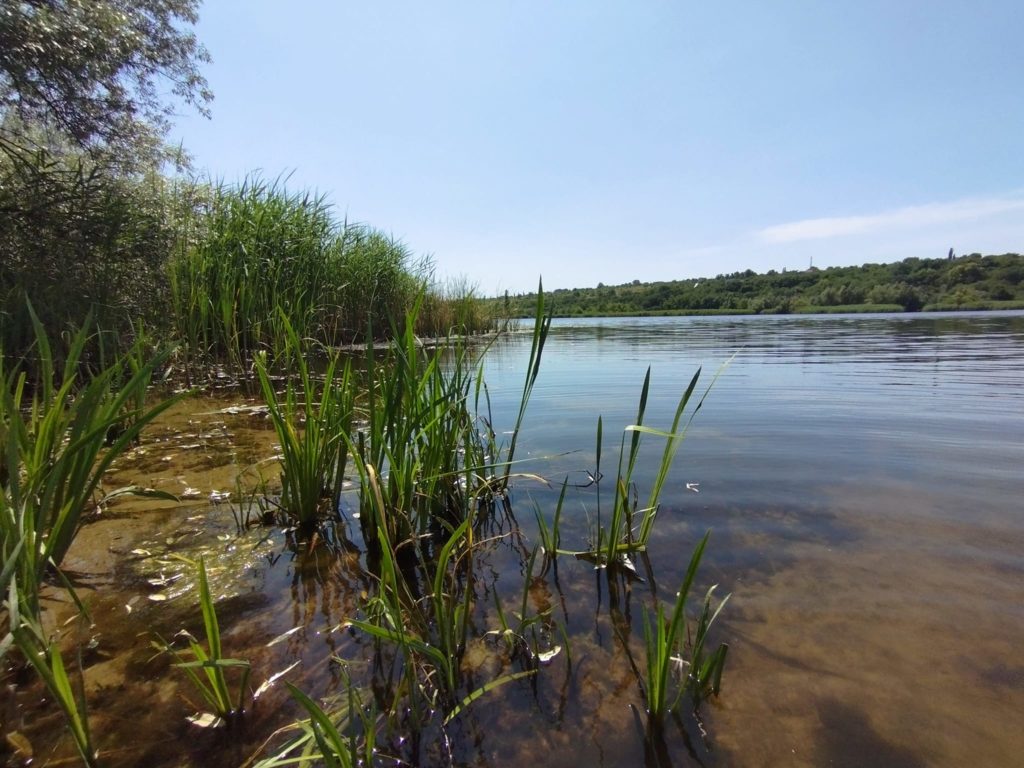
<point x="594" y="141"/>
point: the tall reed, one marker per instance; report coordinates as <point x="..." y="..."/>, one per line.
<point x="252" y="248"/>
<point x="312" y="422"/>
<point x="256" y="246"/>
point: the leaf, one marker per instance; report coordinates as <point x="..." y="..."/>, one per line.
<point x="266" y="685"/>
<point x="547" y="656"/>
<point x="283" y="636"/>
<point x="484" y="689"/>
<point x="205" y="720"/>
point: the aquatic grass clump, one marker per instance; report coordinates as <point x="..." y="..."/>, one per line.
<point x="428" y="624"/>
<point x="212" y="684"/>
<point x="677" y="662"/>
<point x="312" y="422"/>
<point x="421" y="442"/>
<point x="56" y="443"/>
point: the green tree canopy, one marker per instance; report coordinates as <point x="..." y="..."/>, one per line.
<point x="101" y="73"/>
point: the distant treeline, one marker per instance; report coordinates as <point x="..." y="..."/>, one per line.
<point x="911" y="285"/>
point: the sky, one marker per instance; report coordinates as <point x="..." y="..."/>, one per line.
<point x="592" y="142"/>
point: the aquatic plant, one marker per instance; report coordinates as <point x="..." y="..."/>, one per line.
<point x="213" y="683"/>
<point x="255" y="253"/>
<point x="58" y="436"/>
<point x="25" y="632"/>
<point x="541" y="327"/>
<point x="420" y="440"/>
<point x="629" y="525"/>
<point x="342" y="735"/>
<point x="312" y="422"/>
<point x="677" y="662"/>
<point x="252" y="248"/>
<point x="56" y="443"/>
<point x="429" y="632"/>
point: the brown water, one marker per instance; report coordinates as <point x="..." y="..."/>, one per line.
<point x="861" y="476"/>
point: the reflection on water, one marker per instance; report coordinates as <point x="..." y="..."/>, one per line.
<point x="861" y="476"/>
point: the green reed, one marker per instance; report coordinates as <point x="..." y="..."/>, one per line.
<point x="252" y="248"/>
<point x="212" y="684"/>
<point x="312" y="421"/>
<point x="57" y="439"/>
<point x="677" y="661"/>
<point x="44" y="656"/>
<point x="541" y="328"/>
<point x="629" y="525"/>
<point x="341" y="733"/>
<point x="420" y="439"/>
<point x="431" y="632"/>
<point x="56" y="443"/>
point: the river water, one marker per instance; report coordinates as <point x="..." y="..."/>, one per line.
<point x="861" y="479"/>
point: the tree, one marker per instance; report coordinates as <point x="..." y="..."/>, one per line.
<point x="95" y="70"/>
<point x="86" y="90"/>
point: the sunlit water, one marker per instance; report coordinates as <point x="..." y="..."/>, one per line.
<point x="861" y="479"/>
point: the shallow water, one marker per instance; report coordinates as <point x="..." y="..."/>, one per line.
<point x="861" y="479"/>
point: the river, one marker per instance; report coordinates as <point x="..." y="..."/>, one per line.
<point x="861" y="479"/>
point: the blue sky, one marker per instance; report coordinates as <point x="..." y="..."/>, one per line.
<point x="610" y="141"/>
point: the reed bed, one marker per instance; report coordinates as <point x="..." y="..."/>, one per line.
<point x="254" y="255"/>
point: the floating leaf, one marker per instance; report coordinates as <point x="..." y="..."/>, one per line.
<point x="273" y="679"/>
<point x="205" y="720"/>
<point x="547" y="656"/>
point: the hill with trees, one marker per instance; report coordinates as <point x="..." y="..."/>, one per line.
<point x="956" y="283"/>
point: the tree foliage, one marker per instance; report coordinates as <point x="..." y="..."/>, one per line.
<point x="87" y="223"/>
<point x="99" y="72"/>
<point x="969" y="282"/>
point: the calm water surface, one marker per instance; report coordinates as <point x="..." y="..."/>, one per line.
<point x="862" y="476"/>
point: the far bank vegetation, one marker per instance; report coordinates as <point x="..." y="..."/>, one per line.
<point x="972" y="282"/>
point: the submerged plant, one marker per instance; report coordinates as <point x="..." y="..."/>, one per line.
<point x="677" y="662"/>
